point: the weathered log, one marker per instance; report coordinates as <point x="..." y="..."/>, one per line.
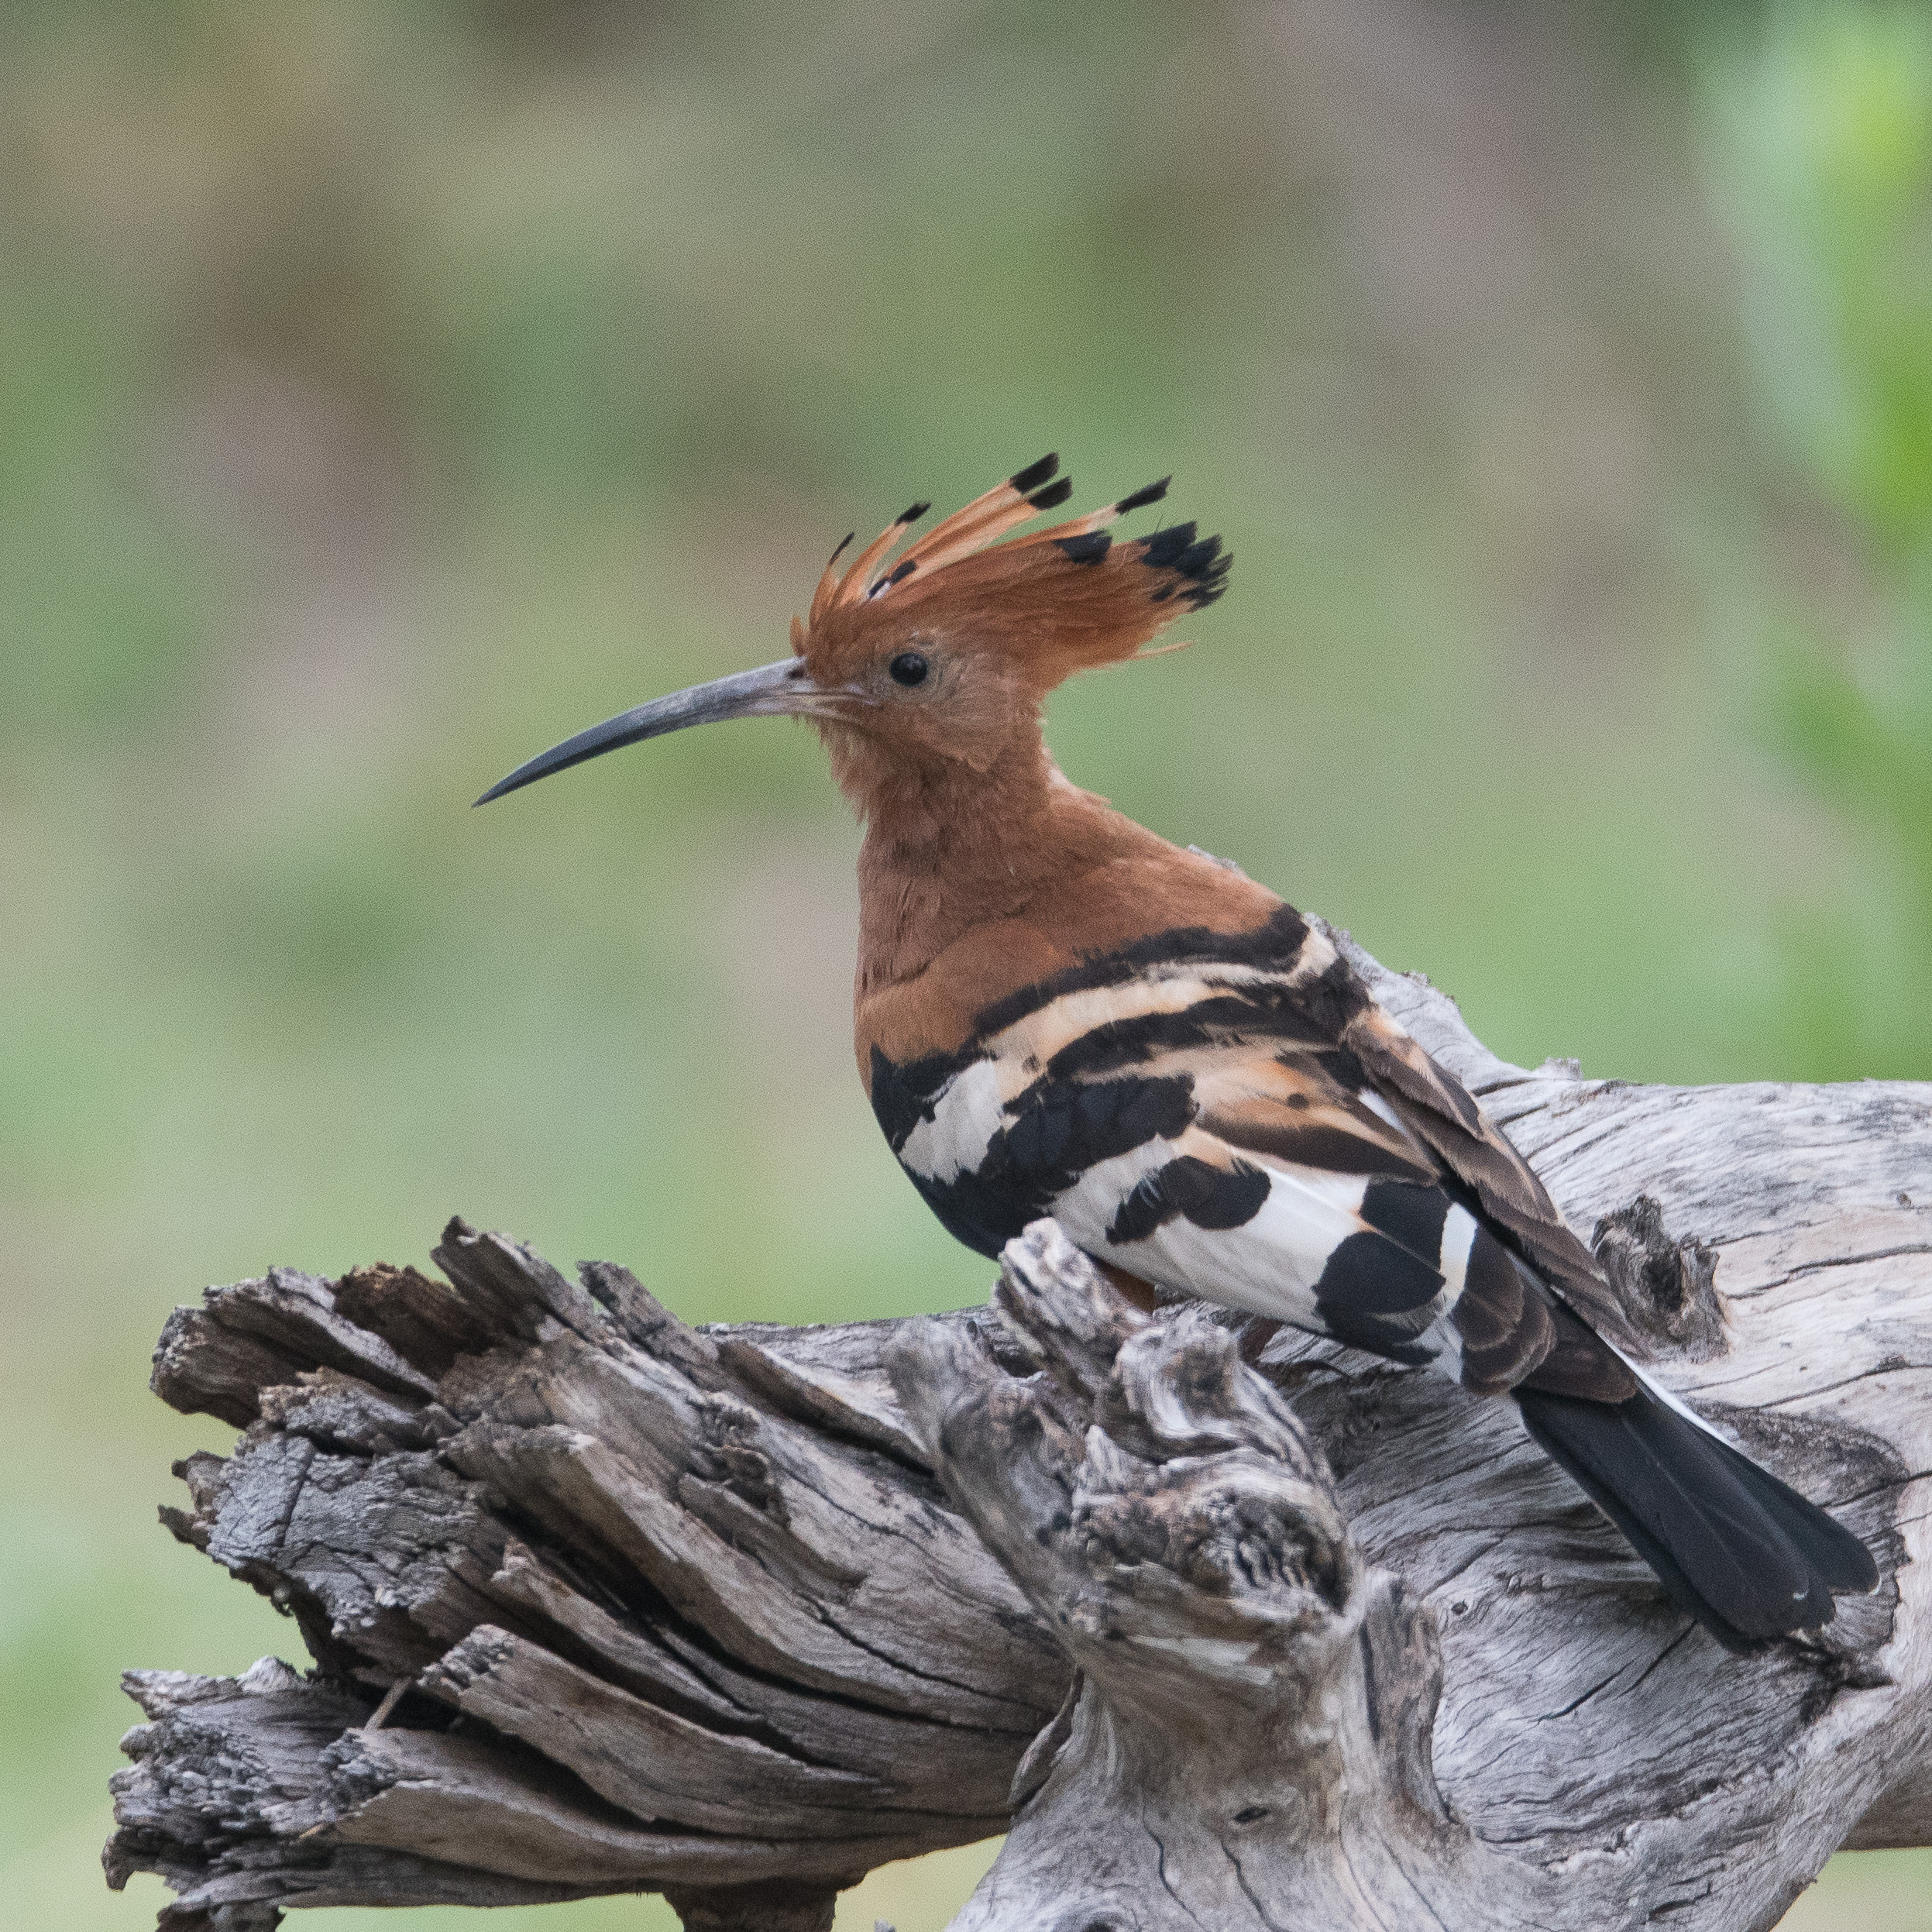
<point x="599" y="1603"/>
<point x="591" y="1610"/>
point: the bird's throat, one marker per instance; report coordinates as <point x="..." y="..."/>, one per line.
<point x="948" y="848"/>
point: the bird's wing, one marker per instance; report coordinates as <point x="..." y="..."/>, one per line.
<point x="1288" y="1193"/>
<point x="1441" y="1111"/>
<point x="1212" y="1126"/>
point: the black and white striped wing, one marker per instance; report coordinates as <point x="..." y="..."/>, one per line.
<point x="1197" y="1125"/>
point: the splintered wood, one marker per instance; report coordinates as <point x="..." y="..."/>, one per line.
<point x="670" y="1611"/>
<point x="599" y="1602"/>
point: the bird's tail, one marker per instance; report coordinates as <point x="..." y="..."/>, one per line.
<point x="1746" y="1556"/>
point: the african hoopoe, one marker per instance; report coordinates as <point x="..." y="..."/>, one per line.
<point x="1059" y="1013"/>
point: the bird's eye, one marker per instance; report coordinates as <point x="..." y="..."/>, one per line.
<point x="908" y="668"/>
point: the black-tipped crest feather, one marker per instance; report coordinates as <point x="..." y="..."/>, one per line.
<point x="1162" y="550"/>
<point x="1091" y="548"/>
<point x="1035" y="473"/>
<point x="1145" y="494"/>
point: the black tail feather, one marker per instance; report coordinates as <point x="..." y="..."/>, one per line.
<point x="1837" y="1555"/>
<point x="1746" y="1556"/>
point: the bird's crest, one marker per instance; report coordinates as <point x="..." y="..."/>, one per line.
<point x="1057" y="599"/>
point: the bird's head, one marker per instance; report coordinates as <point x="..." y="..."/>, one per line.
<point x="938" y="658"/>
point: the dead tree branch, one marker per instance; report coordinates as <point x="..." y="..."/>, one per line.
<point x="599" y="1602"/>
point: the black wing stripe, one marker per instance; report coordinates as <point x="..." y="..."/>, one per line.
<point x="1246" y="1014"/>
<point x="1335" y="1149"/>
<point x="1272" y="946"/>
<point x="1060" y="1128"/>
<point x="1374" y="1295"/>
<point x="1189" y="1188"/>
<point x="904" y="1096"/>
<point x="1408" y="1212"/>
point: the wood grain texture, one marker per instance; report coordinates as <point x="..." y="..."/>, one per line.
<point x="690" y="1610"/>
<point x="1250" y="1744"/>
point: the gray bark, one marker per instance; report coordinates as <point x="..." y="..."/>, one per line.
<point x="599" y="1602"/>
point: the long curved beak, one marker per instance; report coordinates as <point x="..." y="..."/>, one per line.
<point x="782" y="690"/>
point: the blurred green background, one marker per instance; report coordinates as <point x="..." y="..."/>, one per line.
<point x="389" y="390"/>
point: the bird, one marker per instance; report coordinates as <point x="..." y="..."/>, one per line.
<point x="1058" y="1012"/>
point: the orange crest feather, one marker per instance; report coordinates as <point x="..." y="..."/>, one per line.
<point x="1055" y="602"/>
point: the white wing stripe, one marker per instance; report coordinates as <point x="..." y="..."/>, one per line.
<point x="967" y="1112"/>
<point x="1458" y="1235"/>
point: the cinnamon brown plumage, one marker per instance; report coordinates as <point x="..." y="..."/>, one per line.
<point x="1056" y="1012"/>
